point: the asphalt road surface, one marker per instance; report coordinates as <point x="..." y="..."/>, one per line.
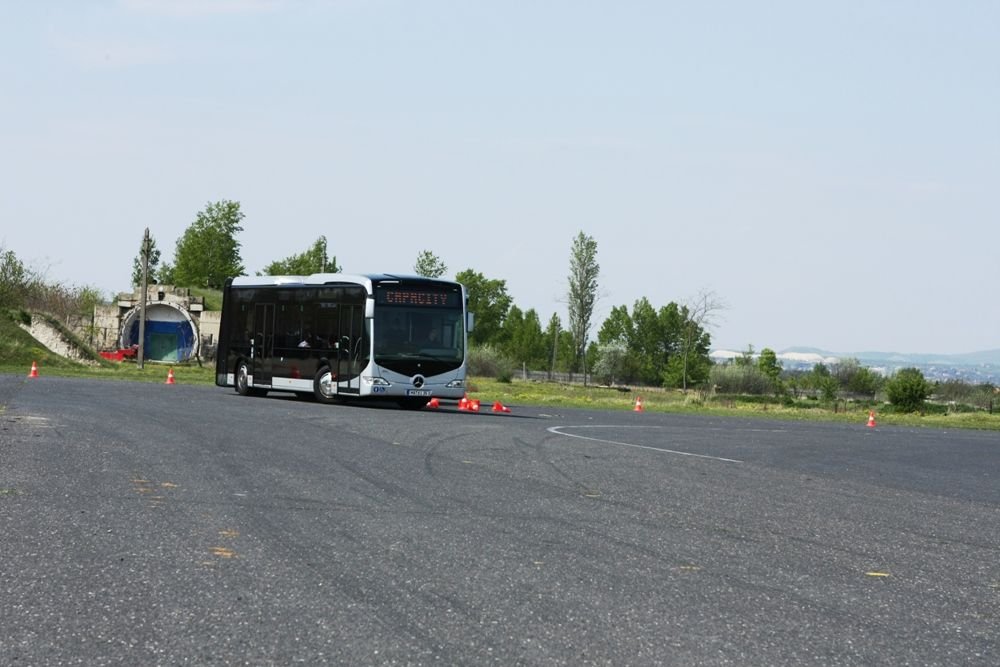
<point x="161" y="525"/>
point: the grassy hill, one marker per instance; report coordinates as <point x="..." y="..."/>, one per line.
<point x="212" y="297"/>
<point x="18" y="349"/>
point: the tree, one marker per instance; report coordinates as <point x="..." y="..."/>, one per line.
<point x="153" y="265"/>
<point x="15" y="280"/>
<point x="489" y="300"/>
<point x="429" y="265"/>
<point x="648" y="344"/>
<point x="617" y="328"/>
<point x="611" y="366"/>
<point x="769" y="365"/>
<point x="865" y="381"/>
<point x="823" y="380"/>
<point x="582" y="293"/>
<point x="208" y="252"/>
<point x="313" y="260"/>
<point x="854" y="377"/>
<point x="699" y="315"/>
<point x="746" y="357"/>
<point x="552" y="341"/>
<point x="907" y="389"/>
<point x="524" y="341"/>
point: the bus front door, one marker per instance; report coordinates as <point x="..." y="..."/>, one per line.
<point x="351" y="343"/>
<point x="263" y="343"/>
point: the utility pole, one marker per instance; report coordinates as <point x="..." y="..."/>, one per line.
<point x="142" y="298"/>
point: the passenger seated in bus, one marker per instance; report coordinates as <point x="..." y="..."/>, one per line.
<point x="306" y="337"/>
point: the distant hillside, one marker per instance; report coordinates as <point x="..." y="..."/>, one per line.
<point x="986" y="357"/>
<point x="972" y="367"/>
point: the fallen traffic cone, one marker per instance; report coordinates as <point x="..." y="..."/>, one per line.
<point x="433" y="403"/>
<point x="500" y="407"/>
<point x="463" y="403"/>
<point x="871" y="419"/>
<point x="170" y="377"/>
<point x="34" y="370"/>
<point x="474" y="404"/>
<point x="638" y="405"/>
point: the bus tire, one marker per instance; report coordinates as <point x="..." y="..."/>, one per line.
<point x="242" y="382"/>
<point x="323" y="388"/>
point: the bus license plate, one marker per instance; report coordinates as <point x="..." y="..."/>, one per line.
<point x="418" y="392"/>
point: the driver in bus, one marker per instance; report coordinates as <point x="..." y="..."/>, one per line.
<point x="396" y="333"/>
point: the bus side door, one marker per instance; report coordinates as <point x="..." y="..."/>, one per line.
<point x="350" y="352"/>
<point x="263" y="343"/>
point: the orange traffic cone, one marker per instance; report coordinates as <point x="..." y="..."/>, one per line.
<point x="500" y="407"/>
<point x="638" y="405"/>
<point x="170" y="377"/>
<point x="34" y="370"/>
<point x="463" y="403"/>
<point x="871" y="419"/>
<point x="474" y="404"/>
<point x="433" y="403"/>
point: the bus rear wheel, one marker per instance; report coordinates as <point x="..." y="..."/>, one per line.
<point x="323" y="387"/>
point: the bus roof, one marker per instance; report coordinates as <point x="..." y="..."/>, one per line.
<point x="367" y="280"/>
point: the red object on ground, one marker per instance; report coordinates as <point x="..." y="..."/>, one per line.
<point x="34" y="370"/>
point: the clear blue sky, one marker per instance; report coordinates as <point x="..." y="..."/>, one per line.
<point x="829" y="170"/>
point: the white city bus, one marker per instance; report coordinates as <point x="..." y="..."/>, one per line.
<point x="339" y="336"/>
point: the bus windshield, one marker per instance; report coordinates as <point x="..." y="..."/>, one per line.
<point x="418" y="328"/>
<point x="408" y="332"/>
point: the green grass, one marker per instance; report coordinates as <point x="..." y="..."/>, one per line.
<point x="553" y="396"/>
<point x="212" y="297"/>
<point x="126" y="370"/>
<point x="18" y="350"/>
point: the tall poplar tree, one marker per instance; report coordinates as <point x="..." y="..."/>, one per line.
<point x="582" y="293"/>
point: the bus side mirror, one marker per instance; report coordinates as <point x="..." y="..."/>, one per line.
<point x="470" y="323"/>
<point x="369" y="308"/>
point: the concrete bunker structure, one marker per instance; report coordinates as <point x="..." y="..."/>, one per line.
<point x="171" y="332"/>
<point x="174" y="332"/>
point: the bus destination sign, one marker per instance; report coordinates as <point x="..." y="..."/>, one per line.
<point x="420" y="298"/>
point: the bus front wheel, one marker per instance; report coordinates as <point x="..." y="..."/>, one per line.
<point x="323" y="386"/>
<point x="243" y="387"/>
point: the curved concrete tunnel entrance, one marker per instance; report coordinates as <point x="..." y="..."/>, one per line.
<point x="171" y="333"/>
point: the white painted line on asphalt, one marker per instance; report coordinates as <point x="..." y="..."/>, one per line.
<point x="556" y="430"/>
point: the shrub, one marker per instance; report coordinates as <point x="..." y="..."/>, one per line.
<point x="907" y="389"/>
<point x="487" y="361"/>
<point x="740" y="379"/>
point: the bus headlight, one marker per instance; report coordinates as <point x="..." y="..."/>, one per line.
<point x="377" y="381"/>
<point x="455" y="384"/>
